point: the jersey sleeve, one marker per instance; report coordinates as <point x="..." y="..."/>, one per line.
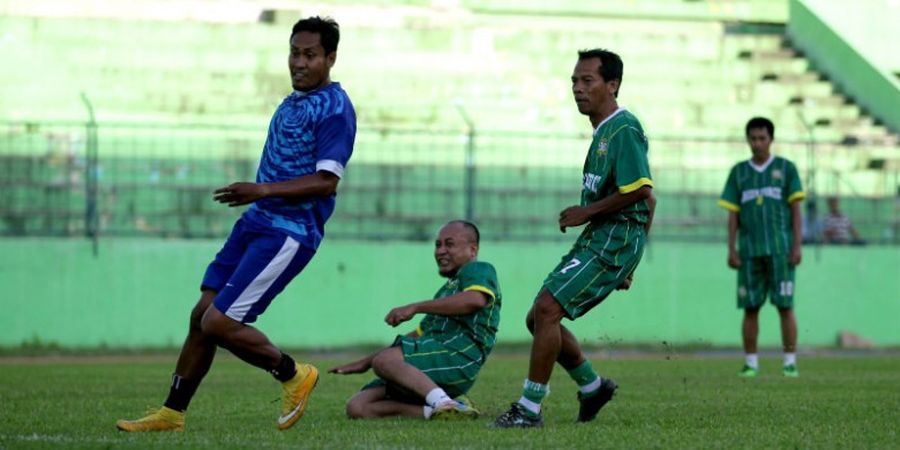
<point x="334" y="142"/>
<point x="480" y="276"/>
<point x="631" y="166"/>
<point x="729" y="199"/>
<point x="794" y="191"/>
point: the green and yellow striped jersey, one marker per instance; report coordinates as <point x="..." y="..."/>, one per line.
<point x="617" y="162"/>
<point x="761" y="196"/>
<point x="473" y="334"/>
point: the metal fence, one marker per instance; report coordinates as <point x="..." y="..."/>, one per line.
<point x="108" y="179"/>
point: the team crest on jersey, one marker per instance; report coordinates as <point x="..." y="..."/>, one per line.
<point x="453" y="284"/>
<point x="776" y="174"/>
<point x="603" y="146"/>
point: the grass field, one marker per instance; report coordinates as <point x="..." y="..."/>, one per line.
<point x="663" y="402"/>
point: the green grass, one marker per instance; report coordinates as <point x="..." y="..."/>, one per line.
<point x="663" y="402"/>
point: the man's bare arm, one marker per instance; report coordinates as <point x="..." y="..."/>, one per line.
<point x="320" y="184"/>
<point x="574" y="216"/>
<point x="454" y="305"/>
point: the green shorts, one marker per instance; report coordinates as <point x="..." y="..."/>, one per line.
<point x="448" y="368"/>
<point x="594" y="267"/>
<point x="764" y="276"/>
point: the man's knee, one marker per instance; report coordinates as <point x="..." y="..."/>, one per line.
<point x="751" y="313"/>
<point x="786" y="313"/>
<point x="547" y="310"/>
<point x="214" y="323"/>
<point x="356" y="408"/>
<point x="360" y="406"/>
<point x="385" y="359"/>
<point x="529" y="320"/>
<point x="206" y="299"/>
<point x="196" y="323"/>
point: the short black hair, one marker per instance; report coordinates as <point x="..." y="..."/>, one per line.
<point x="610" y="64"/>
<point x="470" y="226"/>
<point x="328" y="30"/>
<point x="760" y="122"/>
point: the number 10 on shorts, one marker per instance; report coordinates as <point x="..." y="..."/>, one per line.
<point x="786" y="288"/>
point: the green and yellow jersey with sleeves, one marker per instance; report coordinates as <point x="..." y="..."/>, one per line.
<point x="473" y="334"/>
<point x="762" y="197"/>
<point x="616" y="162"/>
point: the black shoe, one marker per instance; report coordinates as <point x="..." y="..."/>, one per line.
<point x="517" y="417"/>
<point x="591" y="403"/>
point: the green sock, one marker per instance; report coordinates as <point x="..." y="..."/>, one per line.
<point x="583" y="374"/>
<point x="535" y="392"/>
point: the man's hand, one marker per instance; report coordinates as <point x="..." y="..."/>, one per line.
<point x="237" y="194"/>
<point x="734" y="261"/>
<point x="400" y="314"/>
<point x="573" y="216"/>
<point x="360" y="366"/>
<point x="796" y="256"/>
<point x="626" y="283"/>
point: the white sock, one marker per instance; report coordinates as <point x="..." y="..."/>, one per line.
<point x="592" y="386"/>
<point x="436" y="397"/>
<point x="790" y="359"/>
<point x="426" y="411"/>
<point x="752" y="360"/>
<point x="530" y="405"/>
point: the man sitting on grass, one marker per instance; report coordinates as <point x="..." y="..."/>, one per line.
<point x="422" y="372"/>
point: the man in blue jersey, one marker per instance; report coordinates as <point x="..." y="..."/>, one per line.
<point x="763" y="197"/>
<point x="309" y="142"/>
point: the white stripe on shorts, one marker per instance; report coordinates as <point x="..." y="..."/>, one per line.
<point x="463" y="366"/>
<point x="241" y="306"/>
<point x="584" y="266"/>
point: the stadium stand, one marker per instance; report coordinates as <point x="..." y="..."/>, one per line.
<point x="464" y="108"/>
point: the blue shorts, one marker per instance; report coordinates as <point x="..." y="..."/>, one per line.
<point x="254" y="266"/>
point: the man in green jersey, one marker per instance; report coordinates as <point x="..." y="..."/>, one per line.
<point x="423" y="371"/>
<point x="763" y="198"/>
<point x="617" y="205"/>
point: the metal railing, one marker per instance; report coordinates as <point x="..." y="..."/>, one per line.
<point x="117" y="179"/>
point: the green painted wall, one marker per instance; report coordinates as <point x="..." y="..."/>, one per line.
<point x="138" y="292"/>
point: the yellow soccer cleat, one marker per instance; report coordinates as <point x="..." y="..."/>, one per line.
<point x="466" y="401"/>
<point x="162" y="419"/>
<point x="296" y="394"/>
<point x="455" y="410"/>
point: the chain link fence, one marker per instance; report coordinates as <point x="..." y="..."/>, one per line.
<point x="156" y="180"/>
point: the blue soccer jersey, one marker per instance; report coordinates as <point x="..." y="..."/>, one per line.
<point x="310" y="131"/>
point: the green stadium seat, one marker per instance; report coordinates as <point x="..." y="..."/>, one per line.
<point x="694" y="73"/>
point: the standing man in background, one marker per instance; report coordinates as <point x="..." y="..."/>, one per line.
<point x="309" y="143"/>
<point x="763" y="197"/>
<point x="617" y="205"/>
